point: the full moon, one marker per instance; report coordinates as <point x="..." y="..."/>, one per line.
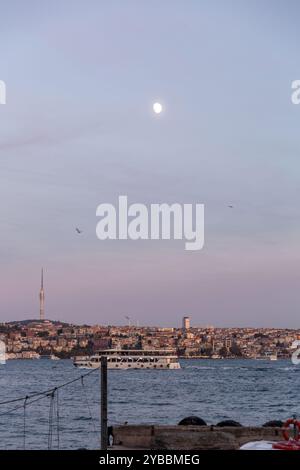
<point x="157" y="108"/>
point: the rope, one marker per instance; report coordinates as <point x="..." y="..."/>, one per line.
<point x="88" y="405"/>
<point x="51" y="410"/>
<point x="47" y="392"/>
<point x="11" y="410"/>
<point x="57" y="418"/>
<point x="54" y="406"/>
<point x="24" y="424"/>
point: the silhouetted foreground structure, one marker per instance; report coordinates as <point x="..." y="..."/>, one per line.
<point x="191" y="437"/>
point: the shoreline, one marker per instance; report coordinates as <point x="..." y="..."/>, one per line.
<point x="179" y="357"/>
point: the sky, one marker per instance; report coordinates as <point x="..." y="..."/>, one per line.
<point x="78" y="130"/>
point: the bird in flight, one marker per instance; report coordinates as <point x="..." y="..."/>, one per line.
<point x="77" y="230"/>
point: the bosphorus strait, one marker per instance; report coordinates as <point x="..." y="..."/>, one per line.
<point x="249" y="391"/>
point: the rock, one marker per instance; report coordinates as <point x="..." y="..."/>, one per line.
<point x="229" y="422"/>
<point x="273" y="424"/>
<point x="192" y="421"/>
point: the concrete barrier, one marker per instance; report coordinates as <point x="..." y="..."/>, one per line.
<point x="190" y="437"/>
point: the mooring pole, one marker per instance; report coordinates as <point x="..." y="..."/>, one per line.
<point x="103" y="417"/>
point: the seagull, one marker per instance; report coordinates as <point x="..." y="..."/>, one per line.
<point x="77" y="230"/>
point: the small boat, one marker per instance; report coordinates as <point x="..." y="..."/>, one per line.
<point x="130" y="359"/>
<point x="273" y="357"/>
<point x="49" y="356"/>
<point x="216" y="356"/>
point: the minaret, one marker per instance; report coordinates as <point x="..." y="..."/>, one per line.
<point x="42" y="297"/>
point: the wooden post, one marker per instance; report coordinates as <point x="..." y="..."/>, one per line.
<point x="103" y="417"/>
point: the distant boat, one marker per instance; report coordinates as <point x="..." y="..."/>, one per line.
<point x="273" y="357"/>
<point x="267" y="357"/>
<point x="49" y="356"/>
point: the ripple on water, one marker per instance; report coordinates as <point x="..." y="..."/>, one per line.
<point x="245" y="391"/>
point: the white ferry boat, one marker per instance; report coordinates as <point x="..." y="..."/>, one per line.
<point x="131" y="359"/>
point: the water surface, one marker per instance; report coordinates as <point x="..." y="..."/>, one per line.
<point x="248" y="391"/>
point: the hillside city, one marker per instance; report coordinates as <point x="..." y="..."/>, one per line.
<point x="31" y="339"/>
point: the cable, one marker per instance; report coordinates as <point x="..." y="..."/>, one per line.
<point x="24" y="424"/>
<point x="35" y="397"/>
<point x="46" y="392"/>
<point x="51" y="410"/>
<point x="88" y="405"/>
<point x="28" y="403"/>
<point x="57" y="418"/>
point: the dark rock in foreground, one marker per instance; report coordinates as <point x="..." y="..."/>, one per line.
<point x="230" y="423"/>
<point x="192" y="421"/>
